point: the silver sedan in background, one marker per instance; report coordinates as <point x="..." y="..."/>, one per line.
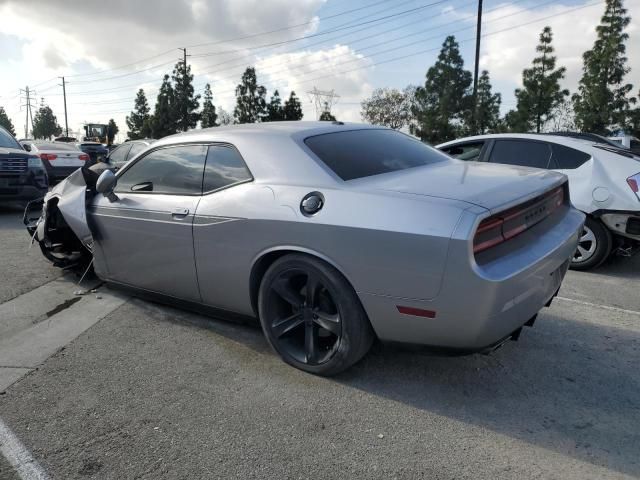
<point x="330" y="234"/>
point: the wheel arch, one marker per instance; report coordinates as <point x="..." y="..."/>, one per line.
<point x="265" y="259"/>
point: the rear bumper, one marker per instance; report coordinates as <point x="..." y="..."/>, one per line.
<point x="60" y="173"/>
<point x="480" y="304"/>
<point x="625" y="224"/>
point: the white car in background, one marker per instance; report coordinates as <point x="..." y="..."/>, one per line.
<point x="604" y="183"/>
<point x="60" y="159"/>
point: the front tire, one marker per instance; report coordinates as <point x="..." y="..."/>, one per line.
<point x="311" y="316"/>
<point x="594" y="246"/>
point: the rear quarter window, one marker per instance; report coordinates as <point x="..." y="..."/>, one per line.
<point x="361" y="153"/>
<point x="566" y="158"/>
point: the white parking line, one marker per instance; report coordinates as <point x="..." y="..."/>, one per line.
<point x="18" y="456"/>
<point x="597" y="305"/>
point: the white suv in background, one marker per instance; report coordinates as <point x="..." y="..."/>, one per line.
<point x="604" y="183"/>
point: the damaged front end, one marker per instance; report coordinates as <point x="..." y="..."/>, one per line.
<point x="58" y="222"/>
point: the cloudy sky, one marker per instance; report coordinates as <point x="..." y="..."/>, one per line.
<point x="107" y="50"/>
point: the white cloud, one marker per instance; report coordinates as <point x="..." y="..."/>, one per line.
<point x="297" y="71"/>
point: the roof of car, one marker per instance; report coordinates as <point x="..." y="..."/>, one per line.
<point x="287" y="129"/>
<point x="563" y="140"/>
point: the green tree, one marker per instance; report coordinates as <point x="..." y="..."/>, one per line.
<point x="139" y="116"/>
<point x="45" y="124"/>
<point x="5" y="122"/>
<point x="251" y="106"/>
<point x="164" y="117"/>
<point x="441" y="105"/>
<point x="208" y="117"/>
<point x="388" y="107"/>
<point x="326" y="116"/>
<point x="186" y="103"/>
<point x="487" y="115"/>
<point x="601" y="101"/>
<point x="540" y="94"/>
<point x="275" y="111"/>
<point x="112" y="131"/>
<point x="292" y="108"/>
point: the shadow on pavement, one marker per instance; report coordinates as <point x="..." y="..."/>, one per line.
<point x="567" y="386"/>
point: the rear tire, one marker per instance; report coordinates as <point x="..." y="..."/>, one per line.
<point x="594" y="246"/>
<point x="311" y="316"/>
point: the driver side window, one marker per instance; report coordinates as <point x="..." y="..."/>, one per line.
<point x="173" y="170"/>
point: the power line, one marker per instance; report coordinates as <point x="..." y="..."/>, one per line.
<point x="413" y="54"/>
<point x="235" y="39"/>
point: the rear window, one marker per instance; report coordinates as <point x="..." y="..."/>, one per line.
<point x="362" y="153"/>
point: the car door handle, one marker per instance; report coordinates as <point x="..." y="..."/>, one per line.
<point x="180" y="212"/>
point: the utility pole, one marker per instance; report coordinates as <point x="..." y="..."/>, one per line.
<point x="28" y="112"/>
<point x="475" y="74"/>
<point x="64" y="95"/>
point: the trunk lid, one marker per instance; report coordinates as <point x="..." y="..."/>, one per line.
<point x="491" y="186"/>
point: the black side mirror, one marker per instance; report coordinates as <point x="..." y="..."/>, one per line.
<point x="27" y="147"/>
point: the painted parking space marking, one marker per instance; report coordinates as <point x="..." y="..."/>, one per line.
<point x="597" y="305"/>
<point x="18" y="456"/>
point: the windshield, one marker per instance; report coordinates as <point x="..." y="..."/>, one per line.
<point x="362" y="153"/>
<point x="7" y="140"/>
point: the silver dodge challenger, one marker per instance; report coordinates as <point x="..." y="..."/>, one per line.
<point x="331" y="234"/>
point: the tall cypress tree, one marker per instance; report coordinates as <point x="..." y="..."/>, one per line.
<point x="444" y="100"/>
<point x="540" y="94"/>
<point x="275" y="112"/>
<point x="251" y="106"/>
<point x="5" y="122"/>
<point x="186" y="103"/>
<point x="488" y="106"/>
<point x="138" y="117"/>
<point x="601" y="101"/>
<point x="208" y="117"/>
<point x="164" y="117"/>
<point x="292" y="108"/>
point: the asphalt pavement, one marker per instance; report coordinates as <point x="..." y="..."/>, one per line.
<point x="148" y="391"/>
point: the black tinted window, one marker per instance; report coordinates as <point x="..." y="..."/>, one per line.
<point x="224" y="167"/>
<point x="466" y="151"/>
<point x="565" y="158"/>
<point x="521" y="152"/>
<point x="119" y="155"/>
<point x="136" y="148"/>
<point x="7" y="140"/>
<point x="176" y="170"/>
<point x="361" y="153"/>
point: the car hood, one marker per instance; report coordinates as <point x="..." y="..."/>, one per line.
<point x="13" y="151"/>
<point x="490" y="186"/>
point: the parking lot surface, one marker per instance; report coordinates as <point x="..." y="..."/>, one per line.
<point x="148" y="391"/>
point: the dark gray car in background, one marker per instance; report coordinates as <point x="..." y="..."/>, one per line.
<point x="126" y="151"/>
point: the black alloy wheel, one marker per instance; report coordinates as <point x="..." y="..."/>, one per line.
<point x="311" y="315"/>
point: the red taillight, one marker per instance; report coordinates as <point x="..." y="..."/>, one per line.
<point x="633" y="182"/>
<point x="84" y="157"/>
<point x="48" y="156"/>
<point x="508" y="224"/>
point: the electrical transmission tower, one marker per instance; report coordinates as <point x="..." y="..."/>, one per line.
<point x="28" y="98"/>
<point x="323" y="100"/>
